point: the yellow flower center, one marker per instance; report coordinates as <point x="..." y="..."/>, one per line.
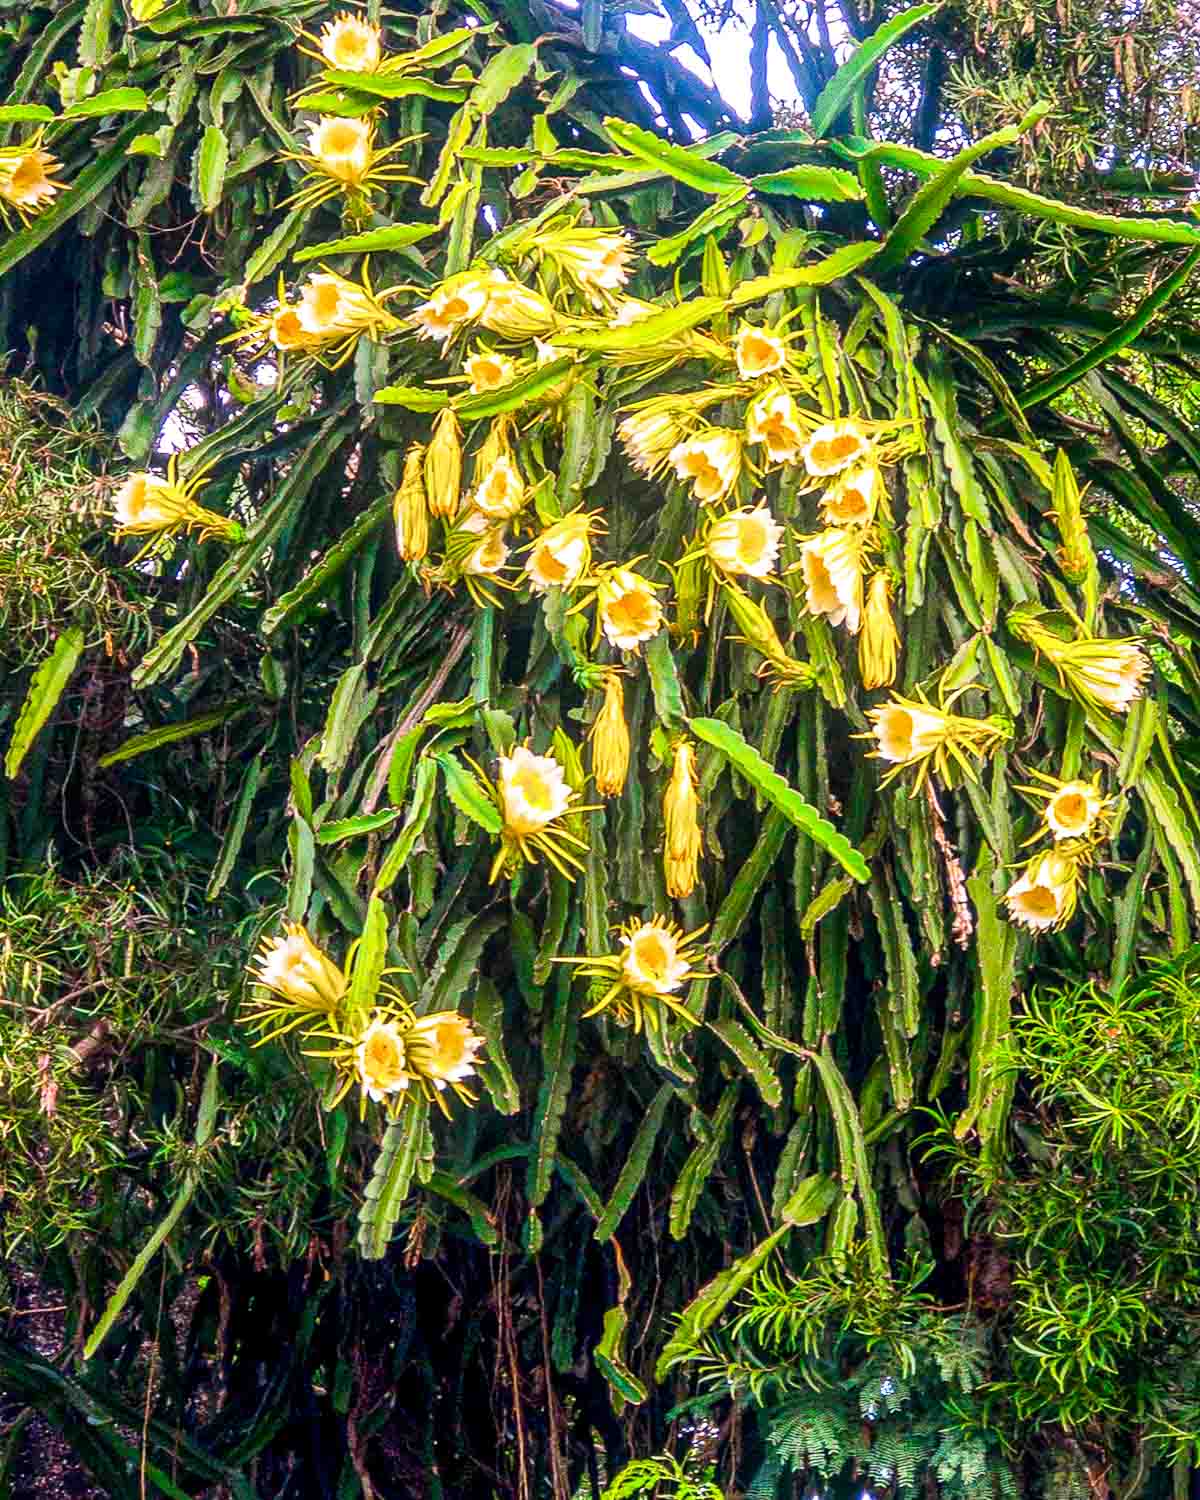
<point x="550" y="568"/>
<point x="29" y="181"/>
<point x="652" y="955"/>
<point x="753" y="539"/>
<point x="1071" y="810"/>
<point x="534" y="788"/>
<point x="896" y="733"/>
<point x="447" y="1044"/>
<point x="632" y="613"/>
<point x="138" y="497"/>
<point x="1039" y="902"/>
<point x="487" y="374"/>
<point x="850" y="505"/>
<point x="351" y="49"/>
<point x="341" y="137"/>
<point x="777" y="431"/>
<point x="455" y="308"/>
<point x="698" y="467"/>
<point x="758" y="355"/>
<point x="820" y="584"/>
<point x="490" y="554"/>
<point x="287" y="328"/>
<point x="382" y="1055"/>
<point x="323" y="299"/>
<point x="836" y="450"/>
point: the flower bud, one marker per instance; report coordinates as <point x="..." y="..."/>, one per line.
<point x="681" y="806"/>
<point x="610" y="740"/>
<point x="878" y="645"/>
<point x="409" y="509"/>
<point x="1075" y="555"/>
<point x="443" y="465"/>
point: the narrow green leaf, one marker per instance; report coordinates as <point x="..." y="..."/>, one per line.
<point x="752" y="1058"/>
<point x="931" y="199"/>
<point x="487" y="1015"/>
<point x="836" y="95"/>
<point x="405" y="1152"/>
<point x="210" y="167"/>
<point x="414" y="826"/>
<point x="765" y="779"/>
<point x="705" y="1308"/>
<point x="367" y="959"/>
<point x="95" y="33"/>
<point x="646" y="332"/>
<point x="838" y="263"/>
<point x="168" y="734"/>
<point x="816" y="184"/>
<point x="716" y="217"/>
<point x="738" y="899"/>
<point x="47" y="686"/>
<point x="272" y="251"/>
<point x="852" y="1152"/>
<point x="504" y="72"/>
<point x="700" y="1163"/>
<point x="510" y="397"/>
<point x="468" y="796"/>
<point x="358" y="827"/>
<point x="394" y="237"/>
<point x="636" y="1163"/>
<point x="39" y="113"/>
<point x="443" y="49"/>
<point x="1120" y="338"/>
<point x="664" y="680"/>
<point x="231" y="844"/>
<point x="206" y="1118"/>
<point x="676" y="161"/>
<point x="145" y="1255"/>
<point x="112" y="102"/>
<point x="457" y="962"/>
<point x="301" y="600"/>
<point x="414" y="397"/>
<point x="389" y="86"/>
<point x="811" y="1201"/>
<point x="558" y="1059"/>
<point x="483" y="1226"/>
<point x="996" y="190"/>
<point x="990" y="1089"/>
<point x="609" y="1352"/>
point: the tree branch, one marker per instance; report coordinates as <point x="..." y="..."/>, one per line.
<point x="760" y="98"/>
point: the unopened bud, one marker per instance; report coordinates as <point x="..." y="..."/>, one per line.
<point x="410" y="510"/>
<point x="443" y="466"/>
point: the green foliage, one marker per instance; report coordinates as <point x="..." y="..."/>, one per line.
<point x="732" y="1207"/>
<point x="663" y="1478"/>
<point x="1099" y="1204"/>
<point x="51" y="501"/>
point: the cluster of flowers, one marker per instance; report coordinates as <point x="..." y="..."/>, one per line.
<point x="495" y="330"/>
<point x="1076" y="818"/>
<point x="388" y="1051"/>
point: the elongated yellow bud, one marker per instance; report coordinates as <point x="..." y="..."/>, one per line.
<point x="681" y="807"/>
<point x="443" y="466"/>
<point x="879" y="643"/>
<point x="610" y="740"/>
<point x="409" y="509"/>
